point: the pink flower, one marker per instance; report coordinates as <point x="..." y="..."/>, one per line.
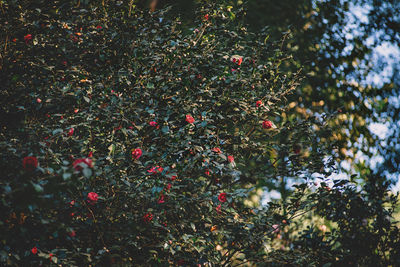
<point x="169" y="186"/>
<point x="148" y="217"/>
<point x="30" y="163"/>
<point x="78" y="164"/>
<point x="267" y="124"/>
<point x="276" y="228"/>
<point x="34" y="250"/>
<point x="231" y="159"/>
<point x="222" y="197"/>
<point x="153" y="123"/>
<point x="189" y="119"/>
<point x="93" y="197"/>
<point x="72" y="203"/>
<point x="71" y="132"/>
<point x="258" y="103"/>
<point x="137" y="153"/>
<point x="216" y="150"/>
<point x="39" y="100"/>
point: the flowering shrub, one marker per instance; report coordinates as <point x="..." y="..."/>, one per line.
<point x="106" y="75"/>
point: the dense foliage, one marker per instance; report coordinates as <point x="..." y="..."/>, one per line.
<point x="128" y="139"/>
<point x="336" y="44"/>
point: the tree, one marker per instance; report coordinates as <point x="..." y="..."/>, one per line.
<point x="136" y="142"/>
<point x="334" y="46"/>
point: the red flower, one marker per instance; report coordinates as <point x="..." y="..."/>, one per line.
<point x="71" y="132"/>
<point x="189" y="119"/>
<point x="34" y="250"/>
<point x="153" y="123"/>
<point x="267" y="124"/>
<point x="76" y="110"/>
<point x="99" y="27"/>
<point x="137" y="153"/>
<point x="231" y="159"/>
<point x="148" y="217"/>
<point x="90" y="154"/>
<point x="72" y="233"/>
<point x="27" y="38"/>
<point x="30" y="163"/>
<point x="93" y="197"/>
<point x="296" y="149"/>
<point x="258" y="103"/>
<point x="216" y="150"/>
<point x="51" y="256"/>
<point x="72" y="203"/>
<point x="155" y="169"/>
<point x="218" y="208"/>
<point x="239" y="62"/>
<point x="14" y="40"/>
<point x="78" y="164"/>
<point x="222" y="197"/>
<point x="169" y="186"/>
<point x="206" y="16"/>
<point x="173" y="177"/>
<point x="152" y="170"/>
<point x="161" y="199"/>
<point x="207" y="172"/>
